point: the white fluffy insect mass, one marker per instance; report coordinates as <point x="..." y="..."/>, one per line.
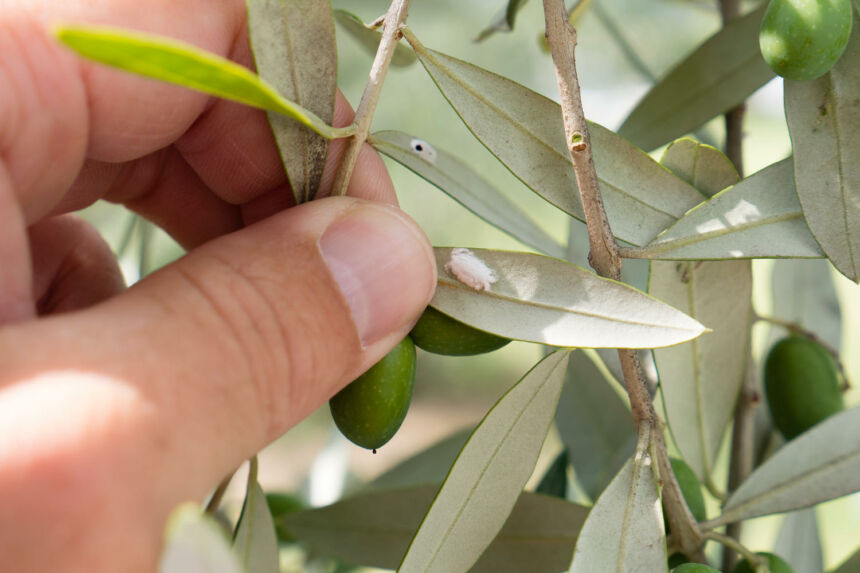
<point x="470" y="270"/>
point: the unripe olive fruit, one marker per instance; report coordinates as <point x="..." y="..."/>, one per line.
<point x="438" y="333"/>
<point x="802" y="39"/>
<point x="801" y="385"/>
<point x="370" y="410"/>
<point x="691" y="489"/>
<point x="775" y="562"/>
<point x="694" y="568"/>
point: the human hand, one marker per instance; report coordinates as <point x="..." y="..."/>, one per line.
<point x="116" y="405"/>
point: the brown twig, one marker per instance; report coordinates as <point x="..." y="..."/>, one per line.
<point x="604" y="258"/>
<point x="734" y="118"/>
<point x="394" y="20"/>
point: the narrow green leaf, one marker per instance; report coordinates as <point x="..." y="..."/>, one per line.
<point x="179" y="63"/>
<point x="524" y="130"/>
<point x="256" y="542"/>
<point x="370" y="38"/>
<point x="295" y="51"/>
<point x="594" y="423"/>
<point x="701" y="379"/>
<point x="850" y="565"/>
<point x="702" y="166"/>
<point x="488" y="476"/>
<point x="554" y="481"/>
<point x="760" y="217"/>
<point x="717" y="76"/>
<point x="374" y="530"/>
<point x="803" y="292"/>
<point x="823" y="119"/>
<point x="821" y="464"/>
<point x="541" y="299"/>
<point x="799" y="542"/>
<point x="513" y="8"/>
<point x="195" y="543"/>
<point x="427" y="467"/>
<point x="461" y="183"/>
<point x="624" y="531"/>
<point x="500" y="22"/>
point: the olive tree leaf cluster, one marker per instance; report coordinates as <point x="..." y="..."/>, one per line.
<point x="461" y="504"/>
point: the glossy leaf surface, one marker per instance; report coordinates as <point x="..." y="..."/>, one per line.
<point x="525" y="131"/>
<point x="369" y="38"/>
<point x="760" y="217"/>
<point x="823" y="119"/>
<point x="594" y="423"/>
<point x="818" y="465"/>
<point x="488" y="476"/>
<point x="717" y="76"/>
<point x="701" y="378"/>
<point x="179" y="63"/>
<point x="195" y="543"/>
<point x="624" y="531"/>
<point x="294" y="51"/>
<point x="461" y="183"/>
<point x="374" y="529"/>
<point x="541" y="299"/>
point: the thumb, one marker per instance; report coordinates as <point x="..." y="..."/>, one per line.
<point x="149" y="398"/>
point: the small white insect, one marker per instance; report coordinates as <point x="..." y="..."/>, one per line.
<point x="424" y="150"/>
<point x="470" y="270"/>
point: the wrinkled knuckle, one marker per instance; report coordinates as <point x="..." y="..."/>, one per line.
<point x="246" y="320"/>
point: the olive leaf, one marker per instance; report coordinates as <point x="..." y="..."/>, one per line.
<point x="524" y="130"/>
<point x="716" y="77"/>
<point x="702" y="166"/>
<point x="799" y="541"/>
<point x="294" y="50"/>
<point x="594" y="422"/>
<point x="819" y="465"/>
<point x="823" y="119"/>
<point x="701" y="378"/>
<point x="461" y="183"/>
<point x="185" y="65"/>
<point x="370" y="38"/>
<point x="504" y="22"/>
<point x="429" y="466"/>
<point x="803" y="292"/>
<point x="483" y="485"/>
<point x="554" y="480"/>
<point x="256" y="542"/>
<point x="850" y="565"/>
<point x="624" y="531"/>
<point x="374" y="529"/>
<point x="541" y="299"/>
<point x="760" y="217"/>
<point x="195" y="543"/>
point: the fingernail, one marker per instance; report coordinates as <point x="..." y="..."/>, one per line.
<point x="383" y="265"/>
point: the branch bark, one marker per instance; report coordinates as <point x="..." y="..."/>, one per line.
<point x="604" y="258"/>
<point x="394" y="20"/>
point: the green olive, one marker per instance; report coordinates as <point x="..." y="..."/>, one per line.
<point x="694" y="568"/>
<point x="801" y="385"/>
<point x="802" y="39"/>
<point x="438" y="333"/>
<point x="775" y="562"/>
<point x="370" y="410"/>
<point x="691" y="488"/>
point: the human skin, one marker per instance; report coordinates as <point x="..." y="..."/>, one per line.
<point x="117" y="404"/>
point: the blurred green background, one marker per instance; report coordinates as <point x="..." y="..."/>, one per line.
<point x="623" y="45"/>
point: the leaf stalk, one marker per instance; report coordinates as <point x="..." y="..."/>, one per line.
<point x="395" y="18"/>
